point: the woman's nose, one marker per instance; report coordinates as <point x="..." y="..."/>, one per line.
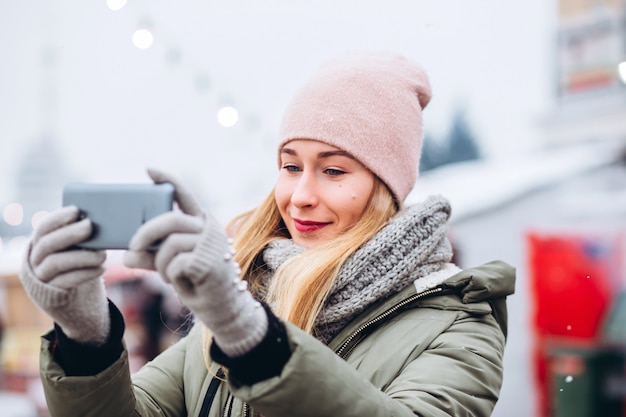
<point x="305" y="193"/>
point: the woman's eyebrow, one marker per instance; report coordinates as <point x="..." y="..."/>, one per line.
<point x="325" y="154"/>
<point x="338" y="152"/>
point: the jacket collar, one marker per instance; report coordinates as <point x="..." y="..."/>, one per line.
<point x="481" y="290"/>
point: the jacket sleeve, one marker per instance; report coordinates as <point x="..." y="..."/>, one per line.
<point x="107" y="393"/>
<point x="156" y="390"/>
<point x="457" y="374"/>
<point x="78" y="359"/>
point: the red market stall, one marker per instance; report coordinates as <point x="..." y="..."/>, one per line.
<point x="575" y="278"/>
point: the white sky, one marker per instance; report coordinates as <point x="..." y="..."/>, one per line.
<point x="117" y="109"/>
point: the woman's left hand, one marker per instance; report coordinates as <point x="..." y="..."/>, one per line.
<point x="193" y="254"/>
<point x="159" y="241"/>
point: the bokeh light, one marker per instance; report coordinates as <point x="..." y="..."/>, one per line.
<point x="13" y="214"/>
<point x="227" y="116"/>
<point x="37" y="217"/>
<point x="17" y="245"/>
<point x="621" y="69"/>
<point x="116" y="5"/>
<point x="142" y="38"/>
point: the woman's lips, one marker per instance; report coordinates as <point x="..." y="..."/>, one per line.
<point x="305" y="226"/>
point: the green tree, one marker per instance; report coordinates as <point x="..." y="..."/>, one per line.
<point x="462" y="145"/>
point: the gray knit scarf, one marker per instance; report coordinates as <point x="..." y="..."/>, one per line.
<point x="412" y="245"/>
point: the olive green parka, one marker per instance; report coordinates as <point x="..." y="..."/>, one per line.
<point x="435" y="353"/>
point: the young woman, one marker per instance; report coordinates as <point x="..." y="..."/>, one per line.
<point x="333" y="298"/>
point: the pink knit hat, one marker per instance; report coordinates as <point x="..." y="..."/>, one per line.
<point x="369" y="105"/>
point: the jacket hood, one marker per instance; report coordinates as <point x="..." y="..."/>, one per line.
<point x="491" y="282"/>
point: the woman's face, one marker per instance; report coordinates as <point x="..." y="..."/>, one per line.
<point x="321" y="191"/>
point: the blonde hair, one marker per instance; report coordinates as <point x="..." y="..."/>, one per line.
<point x="302" y="284"/>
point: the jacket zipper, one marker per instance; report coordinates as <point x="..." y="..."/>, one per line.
<point x="228" y="408"/>
<point x="353" y="340"/>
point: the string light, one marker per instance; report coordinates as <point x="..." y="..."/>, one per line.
<point x="116" y="5"/>
<point x="143" y="39"/>
<point x="227" y="116"/>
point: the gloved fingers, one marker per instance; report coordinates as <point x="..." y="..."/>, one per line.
<point x="56" y="219"/>
<point x="184" y="198"/>
<point x="56" y="264"/>
<point x="139" y="259"/>
<point x="76" y="277"/>
<point x="59" y="239"/>
<point x="176" y="271"/>
<point x="175" y="244"/>
<point x="160" y="227"/>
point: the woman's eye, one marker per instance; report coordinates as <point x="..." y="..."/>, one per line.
<point x="334" y="172"/>
<point x="291" y="168"/>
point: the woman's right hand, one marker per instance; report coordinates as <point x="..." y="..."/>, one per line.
<point x="65" y="281"/>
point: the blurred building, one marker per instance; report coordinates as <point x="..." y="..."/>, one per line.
<point x="590" y="90"/>
<point x="39" y="182"/>
<point x="571" y="279"/>
<point x="41" y="171"/>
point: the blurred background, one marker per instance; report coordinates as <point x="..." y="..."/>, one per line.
<point x="526" y="135"/>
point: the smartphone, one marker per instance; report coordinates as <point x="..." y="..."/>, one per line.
<point x="117" y="210"/>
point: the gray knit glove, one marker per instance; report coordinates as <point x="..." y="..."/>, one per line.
<point x="194" y="256"/>
<point x="65" y="282"/>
